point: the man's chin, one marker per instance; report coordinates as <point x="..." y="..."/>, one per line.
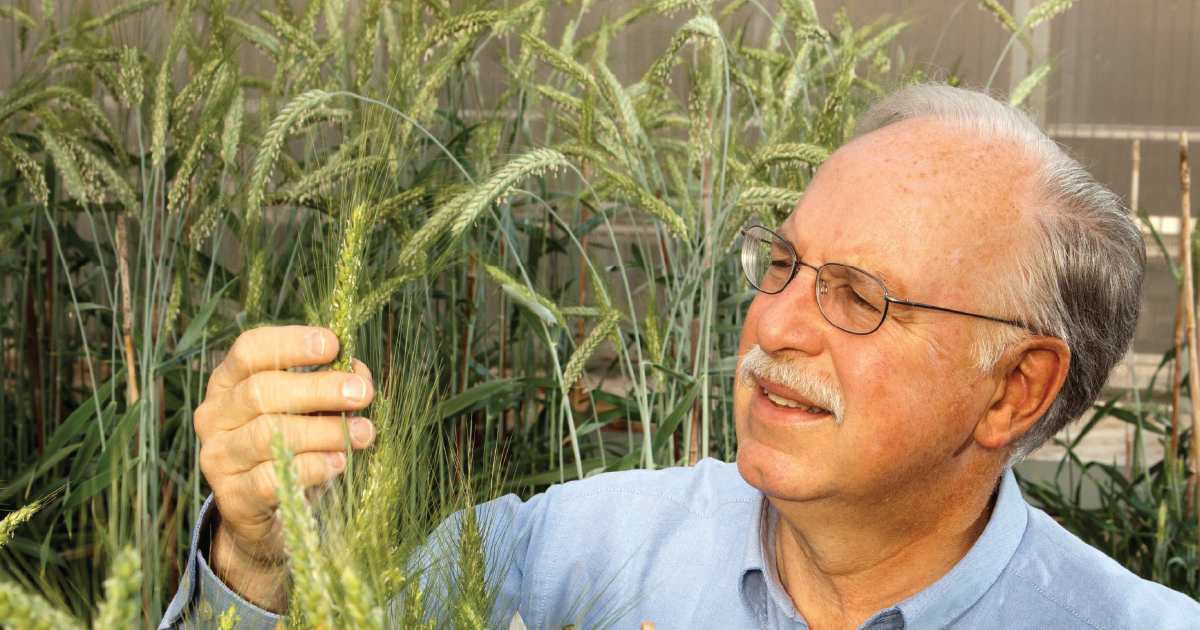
<point x="778" y="475"/>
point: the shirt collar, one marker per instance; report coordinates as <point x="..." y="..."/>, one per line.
<point x="936" y="606"/>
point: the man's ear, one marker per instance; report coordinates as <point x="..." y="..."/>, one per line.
<point x="1028" y="381"/>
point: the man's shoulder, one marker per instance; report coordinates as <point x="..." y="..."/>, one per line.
<point x="1075" y="579"/>
<point x="701" y="490"/>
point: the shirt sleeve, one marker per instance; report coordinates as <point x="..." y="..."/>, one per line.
<point x="509" y="527"/>
<point x="202" y="597"/>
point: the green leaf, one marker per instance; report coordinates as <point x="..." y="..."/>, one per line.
<point x="460" y="402"/>
<point x="197" y="327"/>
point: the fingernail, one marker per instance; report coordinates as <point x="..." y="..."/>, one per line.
<point x="362" y="431"/>
<point x="354" y="388"/>
<point x="337" y="461"/>
<point x="316" y="344"/>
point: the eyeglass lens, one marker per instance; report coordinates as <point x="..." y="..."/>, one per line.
<point x="850" y="299"/>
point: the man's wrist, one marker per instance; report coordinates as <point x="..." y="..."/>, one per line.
<point x="260" y="582"/>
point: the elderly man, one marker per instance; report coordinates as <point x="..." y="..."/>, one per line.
<point x="951" y="290"/>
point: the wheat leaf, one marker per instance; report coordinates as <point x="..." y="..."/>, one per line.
<point x="537" y="303"/>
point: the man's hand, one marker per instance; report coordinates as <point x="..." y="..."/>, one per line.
<point x="250" y="398"/>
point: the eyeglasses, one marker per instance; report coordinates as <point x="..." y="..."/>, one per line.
<point x="849" y="298"/>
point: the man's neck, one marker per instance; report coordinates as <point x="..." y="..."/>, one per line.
<point x="842" y="563"/>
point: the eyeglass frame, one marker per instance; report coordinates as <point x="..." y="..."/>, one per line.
<point x="888" y="300"/>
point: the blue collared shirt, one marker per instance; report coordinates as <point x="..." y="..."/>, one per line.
<point x="693" y="548"/>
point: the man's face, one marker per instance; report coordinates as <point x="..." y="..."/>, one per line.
<point x="938" y="216"/>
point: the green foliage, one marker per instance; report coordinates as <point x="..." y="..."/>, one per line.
<point x="157" y="200"/>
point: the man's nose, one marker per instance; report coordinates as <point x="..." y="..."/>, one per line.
<point x="792" y="320"/>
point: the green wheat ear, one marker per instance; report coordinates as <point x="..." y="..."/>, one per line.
<point x="14" y="520"/>
<point x="345" y="288"/>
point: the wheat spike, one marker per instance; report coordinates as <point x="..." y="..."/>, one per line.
<point x="342" y="300"/>
<point x="22" y="611"/>
<point x="158" y="118"/>
<point x="1029" y="83"/>
<point x="122" y="606"/>
<point x="1045" y="11"/>
<point x="375" y="300"/>
<point x="701" y="26"/>
<point x="18" y="16"/>
<point x="1004" y="17"/>
<point x="261" y="39"/>
<point x="129" y="77"/>
<point x="272" y="141"/>
<point x="652" y="205"/>
<point x="603" y="330"/>
<point x="559" y="61"/>
<point x="231" y="135"/>
<point x="66" y="165"/>
<point x="338" y="167"/>
<point x="30" y="170"/>
<point x="358" y="603"/>
<point x="788" y="153"/>
<point x="256" y="279"/>
<point x="310" y="579"/>
<point x="499" y="184"/>
<point x="18" y="516"/>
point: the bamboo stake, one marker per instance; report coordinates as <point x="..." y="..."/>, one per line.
<point x="126" y="309"/>
<point x="1185" y="180"/>
<point x="1185" y="243"/>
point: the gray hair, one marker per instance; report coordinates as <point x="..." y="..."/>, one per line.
<point x="1081" y="281"/>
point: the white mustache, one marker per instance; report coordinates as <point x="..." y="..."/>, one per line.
<point x="793" y="376"/>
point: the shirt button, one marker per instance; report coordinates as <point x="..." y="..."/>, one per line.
<point x="205" y="611"/>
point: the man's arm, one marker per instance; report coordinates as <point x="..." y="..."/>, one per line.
<point x="202" y="596"/>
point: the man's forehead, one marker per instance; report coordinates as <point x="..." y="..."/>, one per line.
<point x="913" y="197"/>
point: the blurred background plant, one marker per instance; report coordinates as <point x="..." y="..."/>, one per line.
<point x="560" y="254"/>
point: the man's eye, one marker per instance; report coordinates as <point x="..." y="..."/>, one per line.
<point x="860" y="302"/>
<point x="779" y="262"/>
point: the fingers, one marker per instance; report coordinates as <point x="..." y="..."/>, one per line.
<point x="277" y="392"/>
<point x="246" y="447"/>
<point x="255" y="493"/>
<point x="274" y="348"/>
